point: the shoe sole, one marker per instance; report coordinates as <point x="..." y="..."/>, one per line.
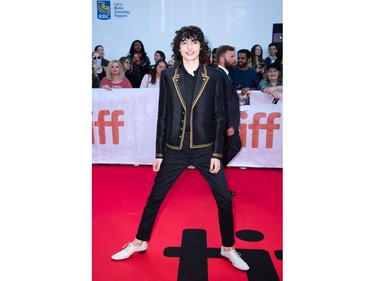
<point x="139" y="252"/>
<point x="224" y="257"/>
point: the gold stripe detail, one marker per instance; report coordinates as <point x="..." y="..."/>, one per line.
<point x="205" y="80"/>
<point x="175" y="80"/>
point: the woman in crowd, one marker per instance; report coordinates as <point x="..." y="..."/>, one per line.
<point x="256" y="61"/>
<point x="170" y="63"/>
<point x="152" y="80"/>
<point x="138" y="54"/>
<point x="272" y="84"/>
<point x="97" y="65"/>
<point x="115" y="77"/>
<point x="100" y="50"/>
<point x="131" y="72"/>
<point x="159" y="55"/>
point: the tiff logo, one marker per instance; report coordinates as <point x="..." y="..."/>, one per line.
<point x="256" y="126"/>
<point x="194" y="254"/>
<point x="101" y="123"/>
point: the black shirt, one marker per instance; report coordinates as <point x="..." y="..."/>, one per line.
<point x="189" y="83"/>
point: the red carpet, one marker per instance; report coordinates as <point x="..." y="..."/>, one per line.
<point x="188" y="218"/>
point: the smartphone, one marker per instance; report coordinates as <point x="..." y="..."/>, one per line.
<point x="98" y="62"/>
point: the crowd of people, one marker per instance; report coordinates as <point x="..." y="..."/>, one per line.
<point x="252" y="71"/>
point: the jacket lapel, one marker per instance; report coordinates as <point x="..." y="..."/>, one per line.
<point x="202" y="80"/>
<point x="178" y="81"/>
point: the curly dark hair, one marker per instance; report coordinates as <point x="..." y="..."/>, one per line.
<point x="189" y="32"/>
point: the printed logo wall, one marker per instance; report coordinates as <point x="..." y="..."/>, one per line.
<point x="124" y="128"/>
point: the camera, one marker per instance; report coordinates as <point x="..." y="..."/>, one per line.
<point x="275" y="101"/>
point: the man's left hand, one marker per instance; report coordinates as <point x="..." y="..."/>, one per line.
<point x="230" y="132"/>
<point x="214" y="166"/>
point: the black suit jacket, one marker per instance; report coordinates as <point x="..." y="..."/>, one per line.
<point x="232" y="102"/>
<point x="207" y="119"/>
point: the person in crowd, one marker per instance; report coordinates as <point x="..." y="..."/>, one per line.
<point x="97" y="65"/>
<point x="208" y="62"/>
<point x="190" y="130"/>
<point x="152" y="80"/>
<point x="115" y="77"/>
<point x="214" y="62"/>
<point x="95" y="79"/>
<point x="279" y="60"/>
<point x="256" y="61"/>
<point x="226" y="57"/>
<point x="131" y="72"/>
<point x="100" y="50"/>
<point x="243" y="77"/>
<point x="159" y="55"/>
<point x="170" y="63"/>
<point x="272" y="51"/>
<point x="140" y="58"/>
<point x="272" y="84"/>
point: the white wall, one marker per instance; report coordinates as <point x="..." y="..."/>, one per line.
<point x="240" y="23"/>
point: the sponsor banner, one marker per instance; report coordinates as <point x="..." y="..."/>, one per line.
<point x="124" y="128"/>
<point x="261" y="133"/>
<point x="124" y="125"/>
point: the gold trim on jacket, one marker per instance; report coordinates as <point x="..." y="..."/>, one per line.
<point x="175" y="79"/>
<point x="207" y="116"/>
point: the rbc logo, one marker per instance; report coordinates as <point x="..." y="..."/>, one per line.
<point x="104" y="10"/>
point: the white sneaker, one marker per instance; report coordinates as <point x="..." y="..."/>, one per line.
<point x="129" y="249"/>
<point x="235" y="258"/>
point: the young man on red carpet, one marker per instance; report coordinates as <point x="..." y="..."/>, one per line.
<point x="190" y="131"/>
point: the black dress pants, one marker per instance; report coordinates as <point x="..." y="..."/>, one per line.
<point x="174" y="163"/>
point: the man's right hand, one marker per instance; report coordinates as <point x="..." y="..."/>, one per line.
<point x="156" y="164"/>
<point x="230" y="132"/>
